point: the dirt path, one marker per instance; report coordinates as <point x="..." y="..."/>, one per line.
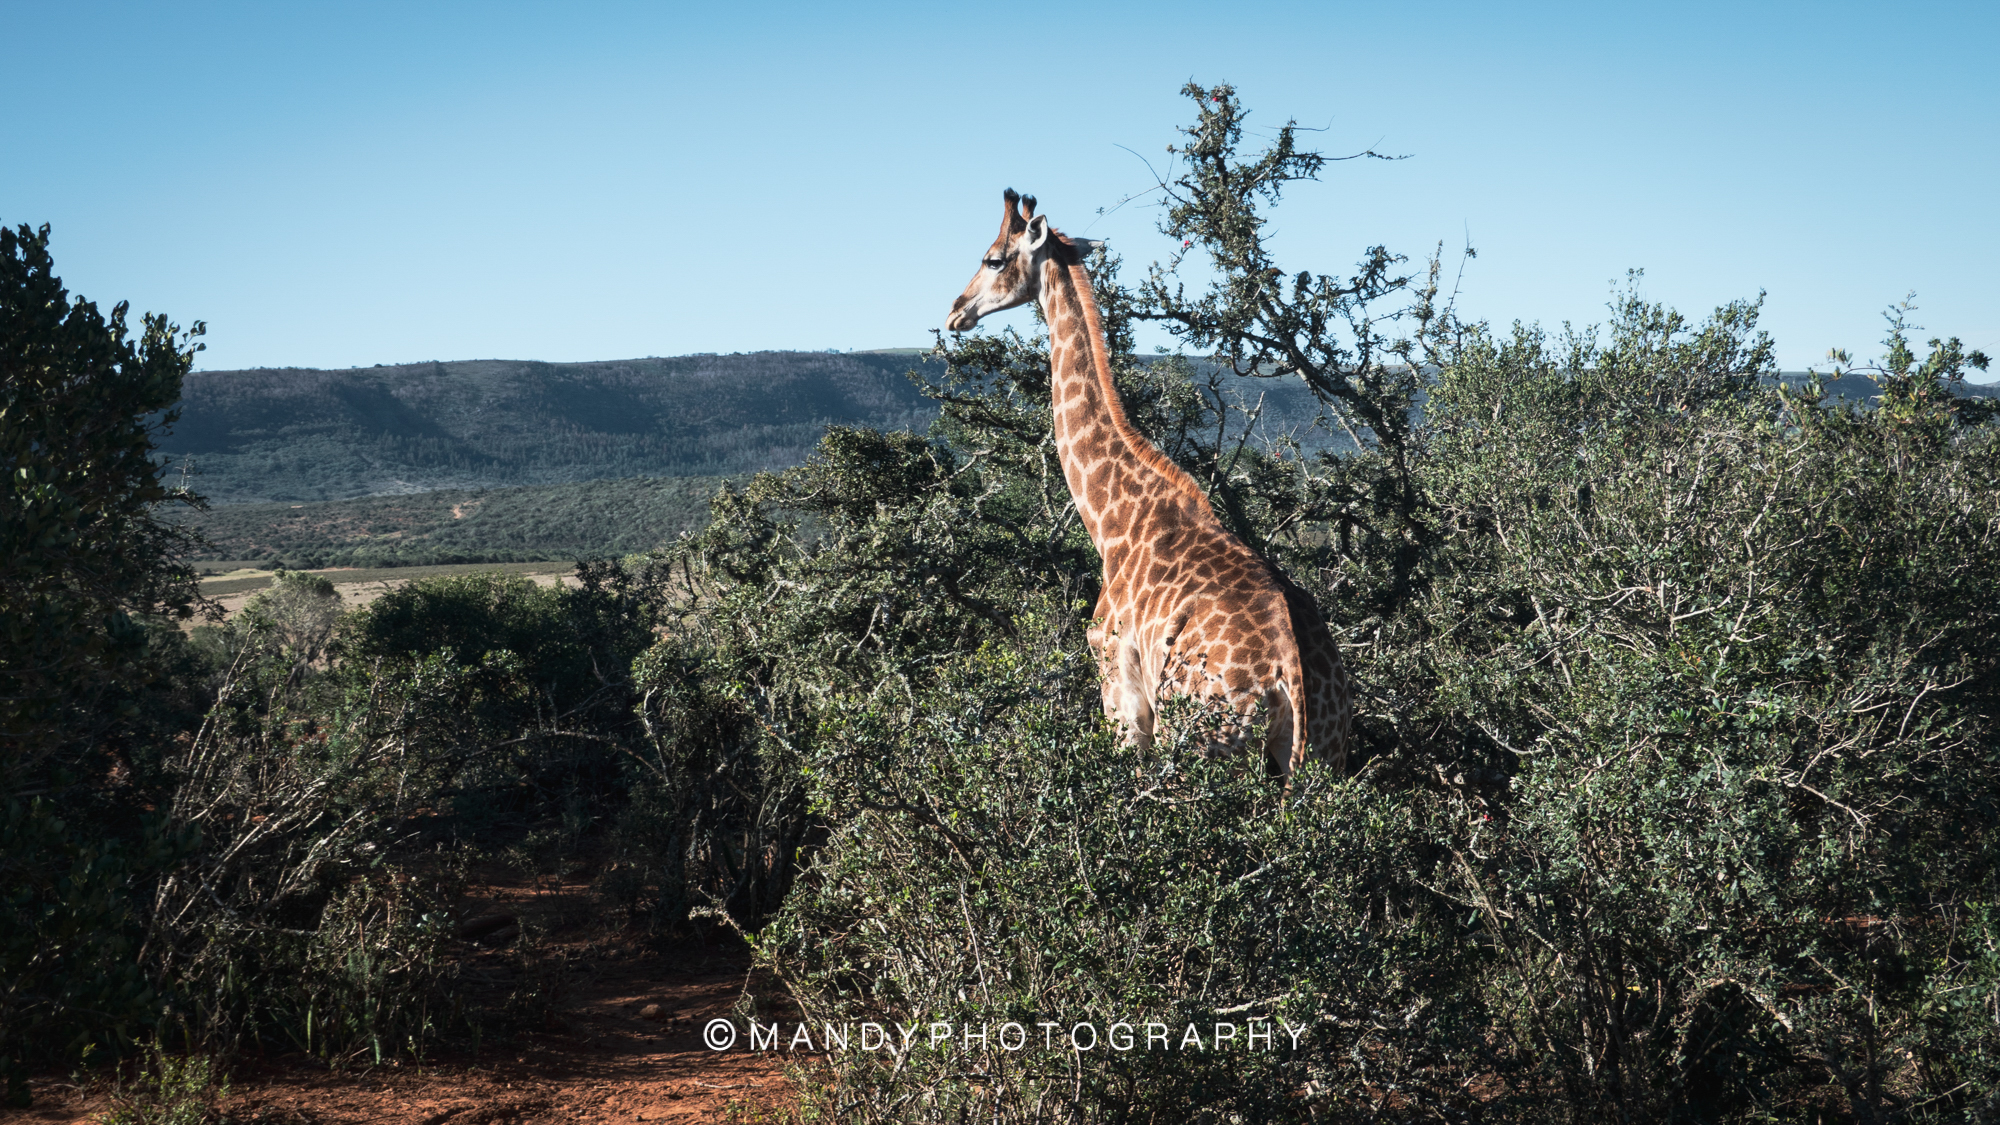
<point x="604" y="1057"/>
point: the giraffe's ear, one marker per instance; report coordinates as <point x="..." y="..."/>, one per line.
<point x="1085" y="247"/>
<point x="1038" y="232"/>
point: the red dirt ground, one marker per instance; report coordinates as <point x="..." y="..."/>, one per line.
<point x="599" y="1060"/>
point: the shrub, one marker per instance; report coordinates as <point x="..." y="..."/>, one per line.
<point x="288" y="920"/>
<point x="998" y="857"/>
<point x="1723" y="651"/>
<point x="83" y="561"/>
<point x="548" y="685"/>
<point x="81" y="552"/>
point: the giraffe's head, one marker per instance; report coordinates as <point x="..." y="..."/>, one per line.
<point x="1011" y="272"/>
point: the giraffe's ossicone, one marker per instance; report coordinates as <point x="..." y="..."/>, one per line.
<point x="1186" y="607"/>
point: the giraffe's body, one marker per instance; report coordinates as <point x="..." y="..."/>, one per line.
<point x="1186" y="607"/>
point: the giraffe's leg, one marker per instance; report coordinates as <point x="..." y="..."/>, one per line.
<point x="1100" y="624"/>
<point x="1134" y="696"/>
<point x="1111" y="681"/>
<point x="1279" y="733"/>
<point x="1102" y="637"/>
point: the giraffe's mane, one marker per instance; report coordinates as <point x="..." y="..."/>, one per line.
<point x="1142" y="448"/>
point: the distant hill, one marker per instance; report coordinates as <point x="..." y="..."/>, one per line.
<point x="1862" y="389"/>
<point x="301" y="434"/>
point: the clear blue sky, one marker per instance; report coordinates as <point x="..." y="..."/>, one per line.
<point x="349" y="184"/>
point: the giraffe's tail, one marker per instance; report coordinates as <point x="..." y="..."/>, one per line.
<point x="1295" y="688"/>
<point x="1287" y="738"/>
<point x="1310" y="679"/>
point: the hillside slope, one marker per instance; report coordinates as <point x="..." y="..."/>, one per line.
<point x="297" y="434"/>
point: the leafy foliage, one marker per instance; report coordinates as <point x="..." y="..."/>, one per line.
<point x="297" y="616"/>
<point x="80" y="551"/>
<point x="82" y="557"/>
<point x="309" y="909"/>
<point x="1709" y="662"/>
<point x="169" y="1091"/>
<point x="998" y="858"/>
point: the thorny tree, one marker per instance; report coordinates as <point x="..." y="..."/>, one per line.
<point x="1332" y="332"/>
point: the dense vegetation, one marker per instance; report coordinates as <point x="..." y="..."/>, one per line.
<point x="1676" y="796"/>
<point x="592" y="519"/>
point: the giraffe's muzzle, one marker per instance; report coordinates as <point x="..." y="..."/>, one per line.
<point x="963" y="317"/>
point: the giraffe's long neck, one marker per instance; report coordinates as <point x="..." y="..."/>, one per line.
<point x="1114" y="473"/>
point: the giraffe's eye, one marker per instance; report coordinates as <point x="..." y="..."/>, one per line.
<point x="995" y="263"/>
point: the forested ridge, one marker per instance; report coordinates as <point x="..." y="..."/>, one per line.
<point x="299" y="435"/>
<point x="424" y="464"/>
<point x="502" y="461"/>
<point x="302" y="434"/>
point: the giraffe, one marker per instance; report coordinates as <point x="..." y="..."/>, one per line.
<point x="1185" y="608"/>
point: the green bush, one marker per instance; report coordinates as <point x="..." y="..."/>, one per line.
<point x="348" y="765"/>
<point x="69" y="934"/>
<point x="294" y="916"/>
<point x="1729" y="649"/>
<point x="84" y="561"/>
<point x="997" y="856"/>
<point x="1687" y="813"/>
<point x="82" y="553"/>
<point x="549" y="686"/>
